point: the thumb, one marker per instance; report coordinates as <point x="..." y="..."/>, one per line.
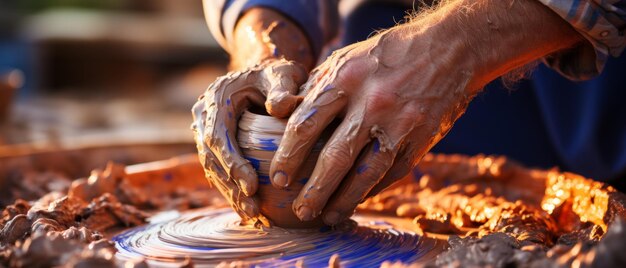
<point x="284" y="80"/>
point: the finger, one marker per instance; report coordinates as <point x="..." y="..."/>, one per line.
<point x="369" y="169"/>
<point x="225" y="140"/>
<point x="244" y="205"/>
<point x="402" y="165"/>
<point x="333" y="164"/>
<point x="303" y="131"/>
<point x="415" y="142"/>
<point x="215" y="121"/>
<point x="283" y="81"/>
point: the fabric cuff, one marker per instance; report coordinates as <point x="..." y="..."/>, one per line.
<point x="602" y="25"/>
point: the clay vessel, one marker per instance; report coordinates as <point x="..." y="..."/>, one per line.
<point x="258" y="138"/>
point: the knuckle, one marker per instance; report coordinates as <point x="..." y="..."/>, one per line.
<point x="351" y="71"/>
<point x="279" y="99"/>
<point x="366" y="179"/>
<point x="380" y="101"/>
<point x="337" y="153"/>
<point x="301" y="125"/>
<point x="280" y="161"/>
<point x="381" y="163"/>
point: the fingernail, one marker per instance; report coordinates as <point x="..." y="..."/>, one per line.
<point x="305" y="214"/>
<point x="331" y="218"/>
<point x="280" y="178"/>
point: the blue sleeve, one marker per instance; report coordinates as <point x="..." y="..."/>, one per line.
<point x="602" y="23"/>
<point x="317" y="18"/>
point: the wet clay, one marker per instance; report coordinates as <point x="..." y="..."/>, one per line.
<point x="211" y="237"/>
<point x="69" y="228"/>
<point x="492" y="211"/>
<point x="59" y="230"/>
<point x="509" y="215"/>
<point x="258" y="137"/>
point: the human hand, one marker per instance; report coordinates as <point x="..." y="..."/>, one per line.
<point x="393" y="109"/>
<point x="273" y="83"/>
<point x="399" y="92"/>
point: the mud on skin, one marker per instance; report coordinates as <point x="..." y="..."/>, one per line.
<point x="258" y="137"/>
<point x="272" y="84"/>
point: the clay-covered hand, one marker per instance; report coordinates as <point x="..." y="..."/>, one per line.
<point x="393" y="105"/>
<point x="273" y="83"/>
<point x="399" y="92"/>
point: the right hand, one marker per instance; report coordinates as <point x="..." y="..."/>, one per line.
<point x="273" y="83"/>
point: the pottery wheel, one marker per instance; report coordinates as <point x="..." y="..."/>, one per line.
<point x="208" y="237"/>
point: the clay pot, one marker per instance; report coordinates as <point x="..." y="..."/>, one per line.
<point x="258" y="138"/>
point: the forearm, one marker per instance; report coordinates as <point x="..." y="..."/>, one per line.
<point x="488" y="38"/>
<point x="510" y="34"/>
<point x="262" y="34"/>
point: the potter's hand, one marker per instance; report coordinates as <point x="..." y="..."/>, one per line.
<point x="261" y="38"/>
<point x="274" y="84"/>
<point x="391" y="115"/>
<point x="399" y="92"/>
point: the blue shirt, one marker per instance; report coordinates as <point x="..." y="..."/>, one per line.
<point x="547" y="120"/>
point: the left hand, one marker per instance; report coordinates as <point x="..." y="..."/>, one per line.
<point x="273" y="83"/>
<point x="393" y="107"/>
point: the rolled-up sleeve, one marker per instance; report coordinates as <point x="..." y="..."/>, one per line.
<point x="317" y="18"/>
<point x="602" y="23"/>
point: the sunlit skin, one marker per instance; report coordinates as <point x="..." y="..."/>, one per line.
<point x="396" y="94"/>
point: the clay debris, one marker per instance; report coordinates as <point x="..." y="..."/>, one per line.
<point x="67" y="227"/>
<point x="62" y="230"/>
<point x="497" y="213"/>
<point x="500" y="214"/>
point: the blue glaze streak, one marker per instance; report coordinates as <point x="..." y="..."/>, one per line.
<point x="264" y="179"/>
<point x="327" y="88"/>
<point x="228" y="101"/>
<point x="306" y="195"/>
<point x="303" y="180"/>
<point x="376" y="147"/>
<point x="268" y="145"/>
<point x="310" y="113"/>
<point x="230" y="144"/>
<point x="362" y="168"/>
<point x="325" y="228"/>
<point x="355" y="250"/>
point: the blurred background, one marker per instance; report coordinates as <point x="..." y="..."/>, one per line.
<point x="76" y="71"/>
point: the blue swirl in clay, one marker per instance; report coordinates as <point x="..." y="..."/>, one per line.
<point x="211" y="236"/>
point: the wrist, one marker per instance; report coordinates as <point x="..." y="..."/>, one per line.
<point x="263" y="34"/>
<point x="489" y="38"/>
<point x="505" y="35"/>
